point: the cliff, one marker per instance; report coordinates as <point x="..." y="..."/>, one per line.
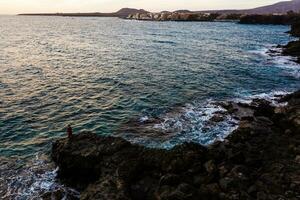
<point x="293" y="47"/>
<point x="295" y="29"/>
<point x="259" y="160"/>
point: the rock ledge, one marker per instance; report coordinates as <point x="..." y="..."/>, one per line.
<point x="259" y="160"/>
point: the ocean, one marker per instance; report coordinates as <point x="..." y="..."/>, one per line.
<point x="153" y="83"/>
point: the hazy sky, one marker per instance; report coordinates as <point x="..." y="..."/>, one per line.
<point x="23" y="6"/>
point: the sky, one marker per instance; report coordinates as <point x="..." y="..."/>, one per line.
<point x="39" y="6"/>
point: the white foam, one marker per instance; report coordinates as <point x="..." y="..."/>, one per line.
<point x="189" y="123"/>
<point x="272" y="96"/>
<point x="192" y="122"/>
<point x="263" y="51"/>
<point x="37" y="177"/>
<point x="144" y="119"/>
<point x="275" y="57"/>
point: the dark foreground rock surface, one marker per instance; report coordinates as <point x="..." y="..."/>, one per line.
<point x="259" y="160"/>
<point x="295" y="29"/>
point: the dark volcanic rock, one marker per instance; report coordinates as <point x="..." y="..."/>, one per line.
<point x="295" y="29"/>
<point x="293" y="47"/>
<point x="270" y="19"/>
<point x="259" y="160"/>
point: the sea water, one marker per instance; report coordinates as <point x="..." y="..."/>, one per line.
<point x="102" y="74"/>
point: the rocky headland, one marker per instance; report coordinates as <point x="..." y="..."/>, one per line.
<point x="291" y="18"/>
<point x="274" y="19"/>
<point x="259" y="160"/>
<point x="295" y="29"/>
<point x="293" y="47"/>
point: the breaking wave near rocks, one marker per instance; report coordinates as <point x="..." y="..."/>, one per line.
<point x="201" y="123"/>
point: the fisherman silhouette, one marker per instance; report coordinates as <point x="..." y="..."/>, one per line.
<point x="69" y="131"/>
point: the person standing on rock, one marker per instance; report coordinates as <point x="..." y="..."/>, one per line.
<point x="69" y="131"/>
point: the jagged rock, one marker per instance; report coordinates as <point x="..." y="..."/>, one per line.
<point x="269" y="19"/>
<point x="217" y="118"/>
<point x="297" y="159"/>
<point x="295" y="29"/>
<point x="259" y="160"/>
<point x="210" y="166"/>
<point x="293" y="47"/>
<point x="169" y="179"/>
<point x="225" y="183"/>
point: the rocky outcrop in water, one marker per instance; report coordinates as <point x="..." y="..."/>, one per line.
<point x="293" y="47"/>
<point x="295" y="29"/>
<point x="259" y="160"/>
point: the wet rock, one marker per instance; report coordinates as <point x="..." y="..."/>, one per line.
<point x="288" y="132"/>
<point x="217" y="118"/>
<point x="59" y="194"/>
<point x="263" y="108"/>
<point x="293" y="47"/>
<point x="259" y="160"/>
<point x="226" y="183"/>
<point x="269" y="19"/>
<point x="210" y="191"/>
<point x="223" y="171"/>
<point x="169" y="179"/>
<point x="264" y="120"/>
<point x="295" y="29"/>
<point x="252" y="190"/>
<point x="261" y="196"/>
<point x="237" y="158"/>
<point x="105" y="188"/>
<point x="210" y="166"/>
<point x="182" y="191"/>
<point x="297" y="159"/>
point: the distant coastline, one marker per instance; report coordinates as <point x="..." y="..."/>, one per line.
<point x="122" y="13"/>
<point x="280" y="8"/>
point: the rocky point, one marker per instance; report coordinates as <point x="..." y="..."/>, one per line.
<point x="259" y="160"/>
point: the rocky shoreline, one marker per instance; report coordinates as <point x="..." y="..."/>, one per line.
<point x="287" y="19"/>
<point x="259" y="160"/>
<point x="293" y="47"/>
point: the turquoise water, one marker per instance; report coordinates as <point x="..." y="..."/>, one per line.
<point x="99" y="73"/>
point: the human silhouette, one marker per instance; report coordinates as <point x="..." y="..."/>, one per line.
<point x="69" y="131"/>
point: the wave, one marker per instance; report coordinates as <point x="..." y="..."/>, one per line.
<point x="202" y="123"/>
<point x="272" y="96"/>
<point x="275" y="57"/>
<point x="199" y="122"/>
<point x="31" y="179"/>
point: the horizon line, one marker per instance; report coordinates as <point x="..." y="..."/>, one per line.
<point x="171" y="10"/>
